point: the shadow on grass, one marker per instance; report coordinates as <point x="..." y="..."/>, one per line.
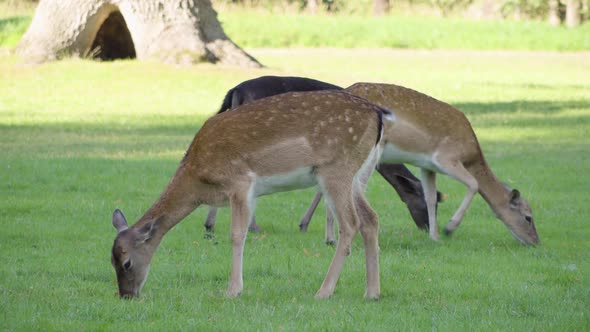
<point x="12" y="28"/>
<point x="537" y="86"/>
<point x="146" y="136"/>
<point x="548" y="107"/>
<point x="13" y="20"/>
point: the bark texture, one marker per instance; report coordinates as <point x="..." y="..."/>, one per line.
<point x="554" y="18"/>
<point x="173" y="31"/>
<point x="572" y="13"/>
<point x="380" y="7"/>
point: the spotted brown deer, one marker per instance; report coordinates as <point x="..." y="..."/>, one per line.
<point x="402" y="180"/>
<point x="438" y="138"/>
<point x="281" y="143"/>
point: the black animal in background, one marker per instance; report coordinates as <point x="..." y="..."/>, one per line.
<point x="403" y="181"/>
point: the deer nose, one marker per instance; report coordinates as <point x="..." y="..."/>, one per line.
<point x="534" y="235"/>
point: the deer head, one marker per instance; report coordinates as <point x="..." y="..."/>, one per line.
<point x="131" y="254"/>
<point x="516" y="214"/>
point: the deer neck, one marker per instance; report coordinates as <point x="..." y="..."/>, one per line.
<point x="175" y="203"/>
<point x="494" y="192"/>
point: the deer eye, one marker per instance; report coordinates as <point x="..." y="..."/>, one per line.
<point x="127" y="265"/>
<point x="529" y="219"/>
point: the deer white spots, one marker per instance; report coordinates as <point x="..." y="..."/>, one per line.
<point x="438" y="138"/>
<point x="232" y="168"/>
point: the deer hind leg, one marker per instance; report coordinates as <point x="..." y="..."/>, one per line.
<point x="304" y="222"/>
<point x="369" y="227"/>
<point x="254" y="226"/>
<point x="428" y="179"/>
<point x="242" y="206"/>
<point x="330" y="233"/>
<point x="362" y="180"/>
<point x="339" y="196"/>
<point x="458" y="172"/>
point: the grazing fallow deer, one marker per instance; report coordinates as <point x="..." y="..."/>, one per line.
<point x="258" y="88"/>
<point x="281" y="143"/>
<point x="403" y="181"/>
<point x="438" y="138"/>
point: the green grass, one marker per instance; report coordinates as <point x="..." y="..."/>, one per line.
<point x="354" y="31"/>
<point x="15" y="18"/>
<point x="80" y="138"/>
<point x="398" y="31"/>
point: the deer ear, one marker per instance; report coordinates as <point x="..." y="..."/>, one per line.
<point x="514" y="197"/>
<point x="146" y="231"/>
<point x="119" y="221"/>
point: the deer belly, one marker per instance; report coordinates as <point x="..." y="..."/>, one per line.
<point x="299" y="178"/>
<point x="394" y="155"/>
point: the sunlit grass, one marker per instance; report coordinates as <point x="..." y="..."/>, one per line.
<point x="397" y="31"/>
<point x="81" y="138"/>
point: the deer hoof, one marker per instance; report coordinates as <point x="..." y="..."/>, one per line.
<point x="255" y="228"/>
<point x="447" y="232"/>
<point x="372" y="297"/>
<point x="322" y="295"/>
<point x="233" y="292"/>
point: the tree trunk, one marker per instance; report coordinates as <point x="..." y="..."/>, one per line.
<point x="173" y="31"/>
<point x="554" y="19"/>
<point x="380" y="7"/>
<point x="572" y="13"/>
<point x="312" y="6"/>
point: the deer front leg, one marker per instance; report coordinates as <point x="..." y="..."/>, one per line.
<point x="304" y="222"/>
<point x="241" y="210"/>
<point x="459" y="172"/>
<point x="338" y="195"/>
<point x="428" y="179"/>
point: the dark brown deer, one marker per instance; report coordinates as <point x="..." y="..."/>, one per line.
<point x="403" y="181"/>
<point x="281" y="143"/>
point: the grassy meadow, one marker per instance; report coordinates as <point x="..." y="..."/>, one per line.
<point x="81" y="138"/>
<point x="398" y="31"/>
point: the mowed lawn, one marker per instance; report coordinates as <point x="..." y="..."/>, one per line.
<point x="81" y="138"/>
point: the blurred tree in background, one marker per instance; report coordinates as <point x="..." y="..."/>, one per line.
<point x="380" y="7"/>
<point x="570" y="12"/>
<point x="446" y="7"/>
